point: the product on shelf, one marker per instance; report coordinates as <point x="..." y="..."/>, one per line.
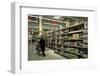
<point x="75" y="36"/>
<point x="70" y="42"/>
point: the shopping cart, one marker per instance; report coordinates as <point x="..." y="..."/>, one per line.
<point x="38" y="49"/>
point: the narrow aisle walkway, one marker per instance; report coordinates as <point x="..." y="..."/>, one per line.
<point x="50" y="55"/>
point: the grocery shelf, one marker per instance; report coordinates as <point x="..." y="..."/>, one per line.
<point x="76" y="25"/>
<point x="78" y="31"/>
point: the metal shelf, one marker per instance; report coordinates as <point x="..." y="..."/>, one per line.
<point x="73" y="32"/>
<point x="76" y="25"/>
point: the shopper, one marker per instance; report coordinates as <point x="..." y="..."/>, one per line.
<point x="42" y="45"/>
<point x="33" y="39"/>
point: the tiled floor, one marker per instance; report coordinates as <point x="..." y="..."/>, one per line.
<point x="50" y="55"/>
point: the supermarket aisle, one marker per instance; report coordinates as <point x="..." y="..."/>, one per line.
<point x="50" y="55"/>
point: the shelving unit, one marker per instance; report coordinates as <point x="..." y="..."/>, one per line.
<point x="33" y="28"/>
<point x="70" y="42"/>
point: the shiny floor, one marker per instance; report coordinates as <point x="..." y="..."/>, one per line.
<point x="50" y="55"/>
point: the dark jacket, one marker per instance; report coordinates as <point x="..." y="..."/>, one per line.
<point x="42" y="44"/>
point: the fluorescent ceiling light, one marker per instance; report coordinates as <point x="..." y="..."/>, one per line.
<point x="57" y="17"/>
